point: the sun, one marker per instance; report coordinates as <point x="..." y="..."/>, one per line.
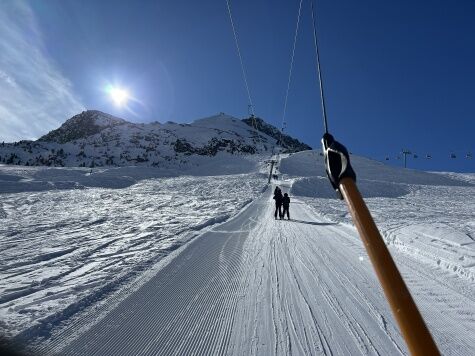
<point x="118" y="95"/>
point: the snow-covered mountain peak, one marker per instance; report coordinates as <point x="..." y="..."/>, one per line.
<point x="217" y="119"/>
<point x="93" y="138"/>
<point x="87" y="123"/>
<point x="103" y="119"/>
<point x="224" y="122"/>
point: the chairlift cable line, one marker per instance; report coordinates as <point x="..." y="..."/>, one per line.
<point x="240" y="57"/>
<point x="279" y="141"/>
<point x="290" y="72"/>
<point x="319" y="71"/>
<point x="246" y="84"/>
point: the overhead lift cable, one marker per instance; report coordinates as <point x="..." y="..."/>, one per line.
<point x="276" y="160"/>
<point x="319" y="71"/>
<point x="243" y="71"/>
<point x="290" y="73"/>
<point x="343" y="179"/>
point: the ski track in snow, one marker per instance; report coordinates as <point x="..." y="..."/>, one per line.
<point x="259" y="286"/>
<point x="65" y="250"/>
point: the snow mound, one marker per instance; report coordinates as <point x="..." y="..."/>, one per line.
<point x="437" y="244"/>
<point x="311" y="164"/>
<point x="320" y="187"/>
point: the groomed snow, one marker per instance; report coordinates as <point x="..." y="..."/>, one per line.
<point x="433" y="221"/>
<point x="68" y="236"/>
<point x="181" y="265"/>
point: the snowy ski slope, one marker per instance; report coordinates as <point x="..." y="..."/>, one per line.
<point x="236" y="281"/>
<point x="67" y="238"/>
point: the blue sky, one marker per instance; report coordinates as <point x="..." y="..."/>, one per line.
<point x="396" y="74"/>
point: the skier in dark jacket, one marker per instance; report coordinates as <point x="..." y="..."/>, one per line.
<point x="285" y="204"/>
<point x="278" y="202"/>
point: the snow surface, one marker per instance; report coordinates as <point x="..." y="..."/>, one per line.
<point x="62" y="243"/>
<point x="146" y="264"/>
<point x="434" y="221"/>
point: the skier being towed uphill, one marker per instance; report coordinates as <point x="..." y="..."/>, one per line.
<point x="285" y="204"/>
<point x="278" y="202"/>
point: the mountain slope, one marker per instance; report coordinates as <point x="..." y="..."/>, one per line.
<point x="288" y="143"/>
<point x="93" y="138"/>
<point x="80" y="126"/>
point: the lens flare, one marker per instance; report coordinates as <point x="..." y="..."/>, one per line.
<point x="118" y="95"/>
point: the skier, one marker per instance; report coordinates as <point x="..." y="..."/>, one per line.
<point x="285" y="204"/>
<point x="278" y="202"/>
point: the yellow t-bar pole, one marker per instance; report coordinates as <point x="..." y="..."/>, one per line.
<point x="414" y="330"/>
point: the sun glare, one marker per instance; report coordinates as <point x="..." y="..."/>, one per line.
<point x="118" y="95"/>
